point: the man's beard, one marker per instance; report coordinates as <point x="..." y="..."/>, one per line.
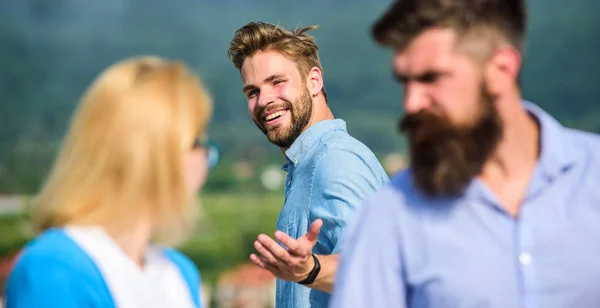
<point x="445" y="157"/>
<point x="285" y="134"/>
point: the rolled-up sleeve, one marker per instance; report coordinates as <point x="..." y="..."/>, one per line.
<point x="370" y="270"/>
<point x="343" y="179"/>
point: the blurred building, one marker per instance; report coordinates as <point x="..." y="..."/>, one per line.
<point x="11" y="204"/>
<point x="6" y="264"/>
<point x="246" y="286"/>
<point x="273" y="178"/>
<point x="243" y="170"/>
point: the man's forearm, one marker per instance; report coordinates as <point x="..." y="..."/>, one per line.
<point x="326" y="278"/>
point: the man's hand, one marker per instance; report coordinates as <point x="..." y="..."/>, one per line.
<point x="295" y="262"/>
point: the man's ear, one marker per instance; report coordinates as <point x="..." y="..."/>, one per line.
<point x="314" y="81"/>
<point x="502" y="70"/>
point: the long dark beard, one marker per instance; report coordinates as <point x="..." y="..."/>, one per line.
<point x="301" y="112"/>
<point x="445" y="158"/>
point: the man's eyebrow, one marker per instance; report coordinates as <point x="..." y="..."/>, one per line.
<point x="273" y="77"/>
<point x="418" y="76"/>
<point x="267" y="80"/>
<point x="246" y="88"/>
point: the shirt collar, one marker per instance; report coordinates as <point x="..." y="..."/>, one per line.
<point x="556" y="155"/>
<point x="554" y="158"/>
<point x="308" y="138"/>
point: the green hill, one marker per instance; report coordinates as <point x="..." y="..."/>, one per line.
<point x="49" y="53"/>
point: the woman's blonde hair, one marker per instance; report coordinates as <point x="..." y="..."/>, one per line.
<point x="122" y="158"/>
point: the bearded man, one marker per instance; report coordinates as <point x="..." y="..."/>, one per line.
<point x="500" y="205"/>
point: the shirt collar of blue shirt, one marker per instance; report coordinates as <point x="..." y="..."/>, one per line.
<point x="308" y="138"/>
<point x="555" y="154"/>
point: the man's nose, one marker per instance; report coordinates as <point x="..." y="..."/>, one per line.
<point x="266" y="97"/>
<point x="415" y="98"/>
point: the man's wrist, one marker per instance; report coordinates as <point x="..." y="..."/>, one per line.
<point x="312" y="275"/>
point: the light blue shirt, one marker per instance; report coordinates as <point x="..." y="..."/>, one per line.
<point x="53" y="271"/>
<point x="405" y="250"/>
<point x="329" y="174"/>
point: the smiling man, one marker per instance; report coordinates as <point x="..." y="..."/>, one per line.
<point x="329" y="172"/>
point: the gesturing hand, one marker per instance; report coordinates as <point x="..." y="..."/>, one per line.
<point x="293" y="263"/>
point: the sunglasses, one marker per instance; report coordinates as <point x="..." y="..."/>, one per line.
<point x="212" y="150"/>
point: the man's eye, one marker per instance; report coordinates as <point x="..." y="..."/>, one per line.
<point x="252" y="93"/>
<point x="278" y="81"/>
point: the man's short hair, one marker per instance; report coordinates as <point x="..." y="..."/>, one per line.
<point x="294" y="44"/>
<point x="498" y="21"/>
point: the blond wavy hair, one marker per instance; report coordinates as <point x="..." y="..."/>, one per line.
<point x="122" y="158"/>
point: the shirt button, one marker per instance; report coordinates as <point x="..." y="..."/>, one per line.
<point x="525" y="258"/>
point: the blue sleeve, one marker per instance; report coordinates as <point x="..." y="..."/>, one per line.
<point x="343" y="179"/>
<point x="370" y="271"/>
<point x="40" y="282"/>
<point x="189" y="272"/>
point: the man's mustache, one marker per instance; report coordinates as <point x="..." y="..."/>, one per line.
<point x="422" y="122"/>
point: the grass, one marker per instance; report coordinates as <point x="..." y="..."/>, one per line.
<point x="226" y="232"/>
<point x="229" y="225"/>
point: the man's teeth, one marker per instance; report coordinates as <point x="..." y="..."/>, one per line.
<point x="274" y="115"/>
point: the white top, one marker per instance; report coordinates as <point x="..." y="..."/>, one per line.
<point x="158" y="284"/>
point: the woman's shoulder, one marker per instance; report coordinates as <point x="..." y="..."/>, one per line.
<point x="55" y="247"/>
<point x="54" y="253"/>
<point x="54" y="267"/>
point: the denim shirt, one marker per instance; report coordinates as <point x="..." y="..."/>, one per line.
<point x="329" y="174"/>
<point x="469" y="252"/>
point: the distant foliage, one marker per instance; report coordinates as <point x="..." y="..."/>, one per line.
<point x="50" y="53"/>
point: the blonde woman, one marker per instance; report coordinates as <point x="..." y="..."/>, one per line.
<point x="121" y="191"/>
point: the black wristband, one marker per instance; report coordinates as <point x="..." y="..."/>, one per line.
<point x="313" y="274"/>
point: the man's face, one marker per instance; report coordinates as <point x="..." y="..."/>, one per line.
<point x="278" y="98"/>
<point x="450" y="116"/>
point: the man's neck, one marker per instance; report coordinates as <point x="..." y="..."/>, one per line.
<point x="320" y="111"/>
<point x="509" y="169"/>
